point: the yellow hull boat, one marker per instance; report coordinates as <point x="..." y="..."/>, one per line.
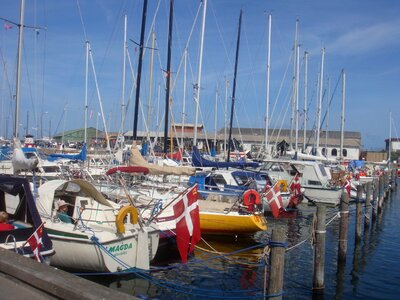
<point x="231" y="223"/>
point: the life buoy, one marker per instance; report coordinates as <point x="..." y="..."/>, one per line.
<point x="283" y="185"/>
<point x="123" y="212"/>
<point x="251" y="197"/>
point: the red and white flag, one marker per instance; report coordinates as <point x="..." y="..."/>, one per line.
<point x="294" y="186"/>
<point x="7" y="26"/>
<point x="347" y="186"/>
<point x="35" y="241"/>
<point x="187" y="218"/>
<point x="274" y="199"/>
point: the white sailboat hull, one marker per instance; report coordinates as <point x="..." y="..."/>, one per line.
<point x="113" y="255"/>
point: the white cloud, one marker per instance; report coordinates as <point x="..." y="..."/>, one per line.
<point x="367" y="39"/>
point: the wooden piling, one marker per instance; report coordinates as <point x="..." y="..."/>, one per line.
<point x="359" y="212"/>
<point x="277" y="264"/>
<point x="380" y="197"/>
<point x="344" y="226"/>
<point x="392" y="179"/>
<point x="375" y="199"/>
<point x="319" y="250"/>
<point x="367" y="217"/>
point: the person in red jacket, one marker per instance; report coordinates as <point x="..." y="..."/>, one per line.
<point x="4" y="226"/>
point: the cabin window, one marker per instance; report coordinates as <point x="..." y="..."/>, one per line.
<point x="344" y="152"/>
<point x="323" y="151"/>
<point x="314" y="182"/>
<point x="322" y="169"/>
<point x="219" y="179"/>
<point x="334" y="152"/>
<point x="242" y="179"/>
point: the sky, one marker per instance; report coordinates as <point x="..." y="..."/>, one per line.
<point x="361" y="37"/>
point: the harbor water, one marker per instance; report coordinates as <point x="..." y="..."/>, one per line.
<point x="371" y="269"/>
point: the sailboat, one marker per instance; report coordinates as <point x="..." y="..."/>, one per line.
<point x="16" y="198"/>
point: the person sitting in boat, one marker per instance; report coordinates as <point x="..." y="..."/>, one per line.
<point x="62" y="212"/>
<point x="4" y="225"/>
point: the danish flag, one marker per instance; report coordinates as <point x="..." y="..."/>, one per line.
<point x="35" y="241"/>
<point x="187" y="219"/>
<point x="347" y="186"/>
<point x="274" y="199"/>
<point x="294" y="185"/>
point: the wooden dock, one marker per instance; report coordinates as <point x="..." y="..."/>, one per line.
<point x="25" y="278"/>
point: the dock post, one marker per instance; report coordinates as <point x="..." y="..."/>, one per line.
<point x="319" y="250"/>
<point x="367" y="218"/>
<point x="380" y="201"/>
<point x="277" y="264"/>
<point x="387" y="185"/>
<point x="375" y="199"/>
<point x="393" y="179"/>
<point x="344" y="226"/>
<point x="359" y="212"/>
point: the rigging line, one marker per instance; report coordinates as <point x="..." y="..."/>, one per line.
<point x="82" y="22"/>
<point x="280" y="90"/>
<point x="288" y="99"/>
<point x="250" y="79"/>
<point x="330" y="101"/>
<point x="186" y="47"/>
<point x="284" y="117"/>
<point x="221" y="35"/>
<point x="151" y="29"/>
<point x="30" y="87"/>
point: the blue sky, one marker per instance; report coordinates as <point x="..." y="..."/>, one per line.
<point x="362" y="37"/>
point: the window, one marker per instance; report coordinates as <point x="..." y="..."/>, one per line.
<point x="334" y="152"/>
<point x="219" y="179"/>
<point x="314" y="182"/>
<point x="344" y="152"/>
<point x="323" y="151"/>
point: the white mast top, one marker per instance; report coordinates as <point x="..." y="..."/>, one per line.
<point x="197" y="86"/>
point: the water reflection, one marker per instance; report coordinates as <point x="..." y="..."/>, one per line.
<point x="370" y="270"/>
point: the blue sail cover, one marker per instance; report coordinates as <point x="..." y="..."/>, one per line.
<point x="81" y="156"/>
<point x="199" y="161"/>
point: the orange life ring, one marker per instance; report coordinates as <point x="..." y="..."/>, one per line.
<point x="251" y="197"/>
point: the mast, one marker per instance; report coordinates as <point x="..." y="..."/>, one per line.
<point x="171" y="17"/>
<point x="342" y="117"/>
<point x="27" y="123"/>
<point x="234" y="86"/>
<point x="17" y="94"/>
<point x="327" y="118"/>
<point x="197" y="85"/>
<point x="215" y="119"/>
<point x="226" y="112"/>
<point x="390" y="136"/>
<point x="123" y="80"/>
<point x="86" y="91"/>
<point x="184" y="94"/>
<point x="151" y="79"/>
<point x="268" y="80"/>
<point x="305" y="99"/>
<point x="139" y="74"/>
<point x="320" y="98"/>
<point x="293" y="83"/>
<point x="297" y="98"/>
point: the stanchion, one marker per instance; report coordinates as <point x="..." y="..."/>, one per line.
<point x="319" y="250"/>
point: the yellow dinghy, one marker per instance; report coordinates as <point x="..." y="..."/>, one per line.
<point x="216" y="218"/>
